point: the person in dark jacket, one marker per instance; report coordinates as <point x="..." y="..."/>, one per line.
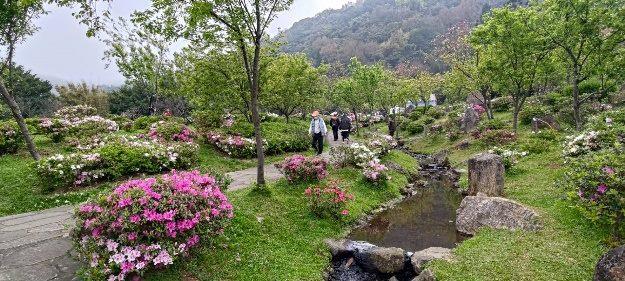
<point x="334" y="123"/>
<point x="345" y="126"/>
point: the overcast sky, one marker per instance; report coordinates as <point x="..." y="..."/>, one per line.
<point x="61" y="52"/>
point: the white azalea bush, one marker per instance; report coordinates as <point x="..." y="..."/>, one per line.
<point x="356" y="155"/>
<point x="581" y="144"/>
<point x="76" y="123"/>
<point x="510" y="157"/>
<point x="382" y="145"/>
<point x="10" y="137"/>
<point x="113" y="159"/>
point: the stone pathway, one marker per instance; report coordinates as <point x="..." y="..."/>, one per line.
<point x="35" y="246"/>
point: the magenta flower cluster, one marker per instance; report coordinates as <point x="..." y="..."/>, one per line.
<point x="149" y="223"/>
<point x="298" y="168"/>
<point x="328" y="200"/>
<point x="171" y="131"/>
<point x="375" y="172"/>
<point x="478" y="108"/>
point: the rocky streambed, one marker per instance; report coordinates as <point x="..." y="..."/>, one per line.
<point x="397" y="240"/>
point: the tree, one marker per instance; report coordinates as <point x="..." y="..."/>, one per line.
<point x="33" y="95"/>
<point x="292" y="84"/>
<point x="516" y="56"/>
<point x="588" y="36"/>
<point x="131" y="99"/>
<point x="240" y="25"/>
<point x="16" y="19"/>
<point x="144" y="58"/>
<point x="467" y="66"/>
<point x="422" y="87"/>
<point x="81" y="94"/>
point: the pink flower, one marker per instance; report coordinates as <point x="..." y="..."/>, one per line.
<point x="345" y="212"/>
<point x="602" y="188"/>
<point x="608" y="170"/>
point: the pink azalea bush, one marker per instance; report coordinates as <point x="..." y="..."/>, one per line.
<point x="235" y="146"/>
<point x="478" y="108"/>
<point x="171" y="131"/>
<point x="10" y="137"/>
<point x="382" y="145"/>
<point x="376" y="172"/>
<point x="148" y="223"/>
<point x="328" y="200"/>
<point x="299" y="168"/>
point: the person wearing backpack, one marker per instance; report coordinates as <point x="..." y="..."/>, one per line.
<point x="334" y="123"/>
<point x="345" y="126"/>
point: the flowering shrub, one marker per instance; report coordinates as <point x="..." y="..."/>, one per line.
<point x="356" y="155"/>
<point x="78" y="127"/>
<point x="171" y="131"/>
<point x="75" y="112"/>
<point x="148" y="223"/>
<point x="382" y="145"/>
<point x="235" y="146"/>
<point x="581" y="144"/>
<point x="596" y="182"/>
<point x="376" y="172"/>
<point x="497" y="137"/>
<point x="328" y="200"/>
<point x="298" y="168"/>
<point x="509" y="157"/>
<point x="121" y="157"/>
<point x="478" y="108"/>
<point x="10" y="138"/>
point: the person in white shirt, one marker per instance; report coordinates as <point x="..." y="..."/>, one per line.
<point x="318" y="131"/>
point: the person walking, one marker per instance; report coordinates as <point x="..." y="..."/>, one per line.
<point x="334" y="123"/>
<point x="318" y="131"/>
<point x="345" y="126"/>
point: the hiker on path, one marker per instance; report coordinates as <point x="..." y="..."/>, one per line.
<point x="318" y="131"/>
<point x="345" y="126"/>
<point x="334" y="123"/>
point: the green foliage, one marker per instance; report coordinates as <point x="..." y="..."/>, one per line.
<point x="130" y="100"/>
<point x="143" y="123"/>
<point x="498" y="137"/>
<point x="532" y="110"/>
<point x="32" y="94"/>
<point x="81" y="94"/>
<point x="414" y="127"/>
<point x="493" y="124"/>
<point x="10" y="137"/>
<point x="502" y="104"/>
<point x="205" y="120"/>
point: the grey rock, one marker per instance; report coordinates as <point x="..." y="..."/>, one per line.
<point x="486" y="174"/>
<point x="384" y="260"/>
<point x="420" y="258"/>
<point x="611" y="266"/>
<point x="545" y="122"/>
<point x="469" y="120"/>
<point x="426" y="275"/>
<point x="393" y="279"/>
<point x="495" y="212"/>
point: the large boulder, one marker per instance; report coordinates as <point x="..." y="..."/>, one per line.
<point x="469" y="120"/>
<point x="383" y="260"/>
<point x="486" y="172"/>
<point x="420" y="258"/>
<point x="495" y="212"/>
<point x="611" y="266"/>
<point x="426" y="275"/>
<point x="545" y="122"/>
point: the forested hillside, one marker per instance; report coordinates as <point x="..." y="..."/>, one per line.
<point x="392" y="31"/>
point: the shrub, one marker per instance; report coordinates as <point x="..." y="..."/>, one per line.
<point x="77" y="127"/>
<point x="415" y="114"/>
<point x="234" y="146"/>
<point x="243" y="129"/>
<point x="143" y="123"/>
<point x="535" y="145"/>
<point x="502" y="104"/>
<point x="581" y="144"/>
<point x="493" y="124"/>
<point x="375" y="172"/>
<point x="382" y="145"/>
<point x="205" y="120"/>
<point x="171" y="131"/>
<point x="355" y="155"/>
<point x="10" y="137"/>
<point x="118" y="158"/>
<point x="435" y="112"/>
<point x="415" y="127"/>
<point x="498" y="137"/>
<point x="298" y="168"/>
<point x="74" y="112"/>
<point x="328" y="200"/>
<point x="509" y="157"/>
<point x="55" y="129"/>
<point x="124" y="122"/>
<point x="149" y="223"/>
<point x="596" y="182"/>
<point x="532" y="110"/>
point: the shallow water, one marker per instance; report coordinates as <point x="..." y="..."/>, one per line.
<point x="422" y="221"/>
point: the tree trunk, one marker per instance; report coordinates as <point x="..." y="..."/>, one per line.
<point x="576" y="101"/>
<point x="260" y="150"/>
<point x="356" y="119"/>
<point x="515" y="120"/>
<point x="17" y="114"/>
